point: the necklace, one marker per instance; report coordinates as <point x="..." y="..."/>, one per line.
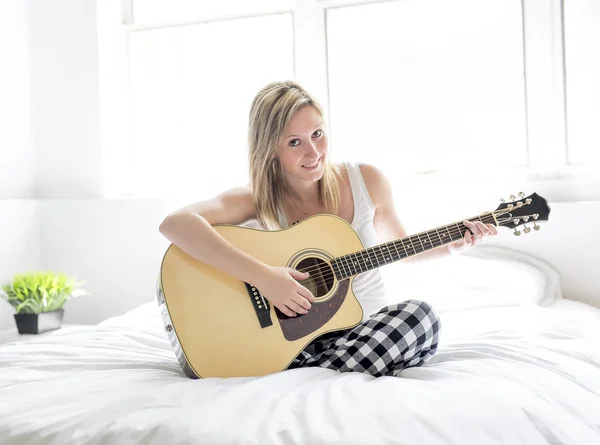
<point x="298" y="208"/>
<point x="304" y="214"/>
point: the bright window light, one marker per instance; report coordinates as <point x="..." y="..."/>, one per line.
<point x="160" y="11"/>
<point x="582" y="59"/>
<point x="435" y="83"/>
<point x="192" y="87"/>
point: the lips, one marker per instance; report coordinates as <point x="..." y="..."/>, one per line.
<point x="312" y="165"/>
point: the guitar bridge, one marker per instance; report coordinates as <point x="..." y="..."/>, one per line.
<point x="261" y="306"/>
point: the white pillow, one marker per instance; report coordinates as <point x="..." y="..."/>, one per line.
<point x="485" y="276"/>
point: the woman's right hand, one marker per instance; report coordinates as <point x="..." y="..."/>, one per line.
<point x="279" y="285"/>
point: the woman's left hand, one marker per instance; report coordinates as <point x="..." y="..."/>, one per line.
<point x="477" y="232"/>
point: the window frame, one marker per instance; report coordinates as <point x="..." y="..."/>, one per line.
<point x="548" y="171"/>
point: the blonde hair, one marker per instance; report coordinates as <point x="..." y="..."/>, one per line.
<point x="271" y="110"/>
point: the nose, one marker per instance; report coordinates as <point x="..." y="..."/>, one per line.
<point x="313" y="148"/>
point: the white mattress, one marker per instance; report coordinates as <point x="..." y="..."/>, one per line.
<point x="504" y="375"/>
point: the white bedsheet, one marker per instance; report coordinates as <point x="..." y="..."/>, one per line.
<point x="510" y="375"/>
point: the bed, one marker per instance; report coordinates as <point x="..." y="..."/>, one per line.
<point x="517" y="364"/>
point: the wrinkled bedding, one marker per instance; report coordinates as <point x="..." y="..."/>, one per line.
<point x="502" y="375"/>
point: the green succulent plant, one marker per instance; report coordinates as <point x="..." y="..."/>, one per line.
<point x="37" y="292"/>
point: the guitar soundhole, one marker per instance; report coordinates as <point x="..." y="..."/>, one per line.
<point x="321" y="278"/>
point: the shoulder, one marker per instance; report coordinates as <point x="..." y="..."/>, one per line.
<point x="377" y="184"/>
<point x="243" y="193"/>
<point x="237" y="196"/>
<point x="233" y="206"/>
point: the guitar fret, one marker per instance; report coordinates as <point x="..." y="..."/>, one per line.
<point x="396" y="248"/>
<point x="383" y="258"/>
<point x="351" y="265"/>
<point x="385" y="261"/>
<point x="334" y="267"/>
<point x="390" y="258"/>
<point x="376" y="259"/>
<point x="449" y="234"/>
<point x="380" y="254"/>
<point x="371" y="265"/>
<point x="347" y="270"/>
<point x="367" y="265"/>
<point x="422" y="246"/>
<point x="438" y="234"/>
<point x="413" y="246"/>
<point x="404" y="247"/>
<point x="429" y="238"/>
<point x="360" y="261"/>
<point x="357" y="263"/>
<point x="460" y="234"/>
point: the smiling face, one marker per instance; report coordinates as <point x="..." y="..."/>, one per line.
<point x="303" y="149"/>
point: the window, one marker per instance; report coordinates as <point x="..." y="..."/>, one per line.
<point x="439" y="82"/>
<point x="151" y="12"/>
<point x="582" y="66"/>
<point x="502" y="92"/>
<point x="191" y="90"/>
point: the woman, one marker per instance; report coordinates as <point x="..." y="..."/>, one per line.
<point x="292" y="179"/>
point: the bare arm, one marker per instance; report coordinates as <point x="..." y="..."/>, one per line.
<point x="190" y="229"/>
<point x="389" y="227"/>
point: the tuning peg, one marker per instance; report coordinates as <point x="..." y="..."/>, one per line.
<point x="527" y="229"/>
<point x="512" y="197"/>
<point x="517" y="232"/>
<point x="521" y="195"/>
<point x="502" y="200"/>
<point x="536" y="227"/>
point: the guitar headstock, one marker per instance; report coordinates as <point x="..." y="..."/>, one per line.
<point x="522" y="211"/>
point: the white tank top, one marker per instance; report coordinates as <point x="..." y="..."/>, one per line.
<point x="368" y="286"/>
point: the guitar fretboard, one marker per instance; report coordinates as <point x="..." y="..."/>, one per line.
<point x="358" y="262"/>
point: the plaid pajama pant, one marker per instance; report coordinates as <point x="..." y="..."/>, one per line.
<point x="399" y="336"/>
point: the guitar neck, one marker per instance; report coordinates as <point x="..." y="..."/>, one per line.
<point x="355" y="263"/>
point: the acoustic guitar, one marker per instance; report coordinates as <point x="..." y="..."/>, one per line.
<point x="220" y="326"/>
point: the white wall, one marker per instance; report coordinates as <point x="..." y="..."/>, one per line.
<point x="19" y="244"/>
<point x="114" y="244"/>
<point x="66" y="105"/>
<point x="19" y="224"/>
<point x="16" y="154"/>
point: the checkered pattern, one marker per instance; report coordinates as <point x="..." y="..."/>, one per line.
<point x="397" y="337"/>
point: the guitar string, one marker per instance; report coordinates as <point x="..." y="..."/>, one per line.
<point x="344" y="265"/>
<point x="418" y="235"/>
<point x="407" y="246"/>
<point x="329" y="270"/>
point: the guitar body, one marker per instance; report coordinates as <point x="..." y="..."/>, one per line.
<point x="217" y="324"/>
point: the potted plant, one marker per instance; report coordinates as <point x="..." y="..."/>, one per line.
<point x="38" y="299"/>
